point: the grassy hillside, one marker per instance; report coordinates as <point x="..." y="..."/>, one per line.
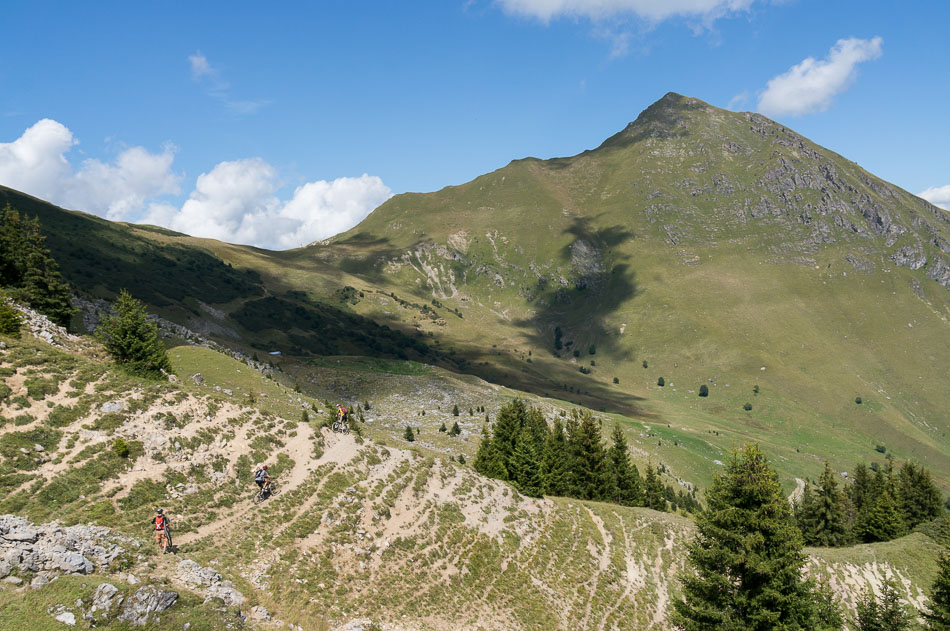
<point x="699" y="245"/>
<point x="370" y="529"/>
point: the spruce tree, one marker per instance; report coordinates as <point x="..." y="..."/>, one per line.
<point x="938" y="616"/>
<point x="456" y="430"/>
<point x="443" y="428"/>
<point x="455" y="410"/>
<point x="627" y="489"/>
<point x="132" y="340"/>
<point x="822" y="518"/>
<point x="747" y="558"/>
<point x="507" y="429"/>
<point x="591" y="479"/>
<point x="883" y="521"/>
<point x="919" y="496"/>
<point x="888" y="614"/>
<point x="653" y="490"/>
<point x="10" y="318"/>
<point x="488" y="460"/>
<point x="525" y="469"/>
<point x="409" y="435"/>
<point x="556" y="461"/>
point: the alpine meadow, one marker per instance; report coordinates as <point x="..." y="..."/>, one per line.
<point x="693" y="378"/>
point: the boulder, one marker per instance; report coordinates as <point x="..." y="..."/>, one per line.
<point x="105" y="599"/>
<point x="67" y="618"/>
<point x="197" y="379"/>
<point x="145" y="603"/>
<point x="111" y="407"/>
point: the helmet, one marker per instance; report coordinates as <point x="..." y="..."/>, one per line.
<point x="264" y="467"/>
<point x="159" y="511"/>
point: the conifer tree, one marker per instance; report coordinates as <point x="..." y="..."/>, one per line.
<point x="888" y="614"/>
<point x="919" y="496"/>
<point x="938" y="616"/>
<point x="409" y="435"/>
<point x="507" y="429"/>
<point x="822" y="519"/>
<point x="627" y="489"/>
<point x="28" y="269"/>
<point x="132" y="340"/>
<point x="456" y="430"/>
<point x="10" y="319"/>
<point x="882" y="521"/>
<point x="525" y="469"/>
<point x="556" y="461"/>
<point x="590" y="477"/>
<point x="653" y="490"/>
<point x="455" y="410"/>
<point x="747" y="558"/>
<point x="443" y="428"/>
<point x="488" y="460"/>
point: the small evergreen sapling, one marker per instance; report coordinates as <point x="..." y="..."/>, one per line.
<point x="409" y="435"/>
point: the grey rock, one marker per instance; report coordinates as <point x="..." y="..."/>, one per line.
<point x="68" y="618"/>
<point x="225" y="591"/>
<point x="145" y="603"/>
<point x="38" y="448"/>
<point x="105" y="599"/>
<point x="197" y="379"/>
<point x="259" y="613"/>
<point x="13" y="580"/>
<point x="228" y="392"/>
<point x="22" y="534"/>
<point x="71" y="562"/>
<point x="113" y="406"/>
<point x="5" y="569"/>
<point x="40" y="580"/>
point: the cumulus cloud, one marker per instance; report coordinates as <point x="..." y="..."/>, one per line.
<point x="237" y="202"/>
<point x="938" y="196"/>
<point x="36" y="163"/>
<point x="215" y="85"/>
<point x="596" y="10"/>
<point x="810" y="86"/>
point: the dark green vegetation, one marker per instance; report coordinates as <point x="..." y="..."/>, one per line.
<point x="746" y="562"/>
<point x="132" y="340"/>
<point x="10" y="319"/>
<point x="27" y="269"/>
<point x="877" y="506"/>
<point x="938" y="618"/>
<point x="885" y="614"/>
<point x="569" y="459"/>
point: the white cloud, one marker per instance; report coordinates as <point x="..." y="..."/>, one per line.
<point x="810" y="86"/>
<point x="652" y="10"/>
<point x="938" y="196"/>
<point x="210" y="77"/>
<point x="36" y="163"/>
<point x="236" y="202"/>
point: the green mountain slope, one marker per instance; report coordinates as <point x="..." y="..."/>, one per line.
<point x="699" y="245"/>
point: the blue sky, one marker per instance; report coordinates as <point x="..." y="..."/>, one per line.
<point x="279" y="125"/>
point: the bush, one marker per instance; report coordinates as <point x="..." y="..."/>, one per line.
<point x="456" y="430"/>
<point x="703" y="390"/>
<point x="747" y="407"/>
<point x="755" y="389"/>
<point x="120" y="448"/>
<point x="455" y="410"/>
<point x="461" y="458"/>
<point x="661" y="382"/>
<point x="616" y="380"/>
<point x="880" y="449"/>
<point x="577" y="353"/>
<point x="443" y="428"/>
<point x="857" y="400"/>
<point x="645" y="365"/>
<point x="409" y="435"/>
<point x="592" y="349"/>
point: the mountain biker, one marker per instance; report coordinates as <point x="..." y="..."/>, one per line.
<point x="161" y="524"/>
<point x="341" y="418"/>
<point x="262" y="478"/>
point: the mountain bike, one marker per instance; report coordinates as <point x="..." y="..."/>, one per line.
<point x="341" y="425"/>
<point x="262" y="494"/>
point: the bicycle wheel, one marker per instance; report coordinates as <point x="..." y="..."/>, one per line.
<point x="259" y="497"/>
<point x="336" y="426"/>
<point x="274" y="488"/>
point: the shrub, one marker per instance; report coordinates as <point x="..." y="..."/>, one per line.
<point x="443" y="428"/>
<point x="456" y="430"/>
<point x="120" y="448"/>
<point x="455" y="410"/>
<point x="409" y="435"/>
<point x="857" y="400"/>
<point x="616" y="380"/>
<point x="645" y="365"/>
<point x="577" y="353"/>
<point x="704" y="390"/>
<point x="747" y="407"/>
<point x="661" y="382"/>
<point x="461" y="458"/>
<point x="880" y="449"/>
<point x="755" y="389"/>
<point x="592" y="349"/>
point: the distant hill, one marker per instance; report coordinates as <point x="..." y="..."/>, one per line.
<point x="703" y="246"/>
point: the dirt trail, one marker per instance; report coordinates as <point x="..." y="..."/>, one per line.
<point x="796" y="495"/>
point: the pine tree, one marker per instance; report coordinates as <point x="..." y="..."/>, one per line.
<point x="443" y="428"/>
<point x="28" y="269"/>
<point x="132" y="340"/>
<point x="888" y="614"/>
<point x="556" y="461"/>
<point x="488" y="460"/>
<point x="455" y="410"/>
<point x="10" y="318"/>
<point x="590" y="477"/>
<point x="653" y="490"/>
<point x="456" y="430"/>
<point x="525" y="469"/>
<point x="507" y="429"/>
<point x="409" y="434"/>
<point x="822" y="519"/>
<point x="627" y="489"/>
<point x="938" y="616"/>
<point x="919" y="496"/>
<point x="747" y="558"/>
<point x="882" y="521"/>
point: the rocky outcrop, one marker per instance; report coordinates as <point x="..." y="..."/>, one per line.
<point x="208" y="582"/>
<point x="146" y="603"/>
<point x="49" y="548"/>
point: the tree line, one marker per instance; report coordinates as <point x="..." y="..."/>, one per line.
<point x="879" y="505"/>
<point x="569" y="458"/>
